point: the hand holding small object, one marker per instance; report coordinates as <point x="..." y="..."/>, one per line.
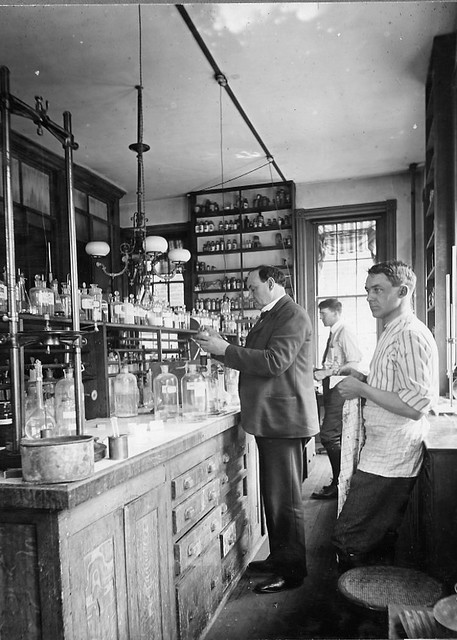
<point x="212" y="342"/>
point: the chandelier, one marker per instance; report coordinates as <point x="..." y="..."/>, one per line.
<point x="143" y="256"/>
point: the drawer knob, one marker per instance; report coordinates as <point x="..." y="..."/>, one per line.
<point x="224" y="508"/>
<point x="226" y="458"/>
<point x="188" y="483"/>
<point x="211" y="495"/>
<point x="211" y="467"/>
<point x="225" y="479"/>
<point x="213" y="527"/>
<point x="188" y="513"/>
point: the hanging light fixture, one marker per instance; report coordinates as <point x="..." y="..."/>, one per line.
<point x="143" y="256"/>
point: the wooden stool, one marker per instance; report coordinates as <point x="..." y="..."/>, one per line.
<point x="375" y="587"/>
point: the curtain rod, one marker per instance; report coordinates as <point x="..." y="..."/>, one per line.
<point x="222" y="80"/>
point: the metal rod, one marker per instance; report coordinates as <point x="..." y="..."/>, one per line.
<point x="79" y="396"/>
<point x="13" y="316"/>
<point x="218" y="74"/>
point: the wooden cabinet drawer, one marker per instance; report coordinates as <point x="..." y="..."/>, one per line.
<point x="188" y="549"/>
<point x="234" y="561"/>
<point x="198" y="594"/>
<point x="188" y="482"/>
<point x="232" y="501"/>
<point x="186" y="514"/>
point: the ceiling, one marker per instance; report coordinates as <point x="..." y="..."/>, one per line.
<point x="334" y="90"/>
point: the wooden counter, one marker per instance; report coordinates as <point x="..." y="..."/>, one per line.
<point x="428" y="539"/>
<point x="147" y="547"/>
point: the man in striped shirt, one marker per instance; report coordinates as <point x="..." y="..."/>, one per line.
<point x="399" y="391"/>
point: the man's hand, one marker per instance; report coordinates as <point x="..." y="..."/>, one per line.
<point x="351" y="387"/>
<point x="321" y="374"/>
<point x="350" y="371"/>
<point x="210" y="341"/>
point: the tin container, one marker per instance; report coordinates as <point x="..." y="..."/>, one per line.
<point x="59" y="459"/>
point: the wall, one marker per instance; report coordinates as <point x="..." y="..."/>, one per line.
<point x="170" y="211"/>
<point x="359" y="190"/>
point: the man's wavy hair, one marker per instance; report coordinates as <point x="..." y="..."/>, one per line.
<point x="397" y="272"/>
<point x="265" y="272"/>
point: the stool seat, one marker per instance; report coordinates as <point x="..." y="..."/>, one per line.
<point x="375" y="587"/>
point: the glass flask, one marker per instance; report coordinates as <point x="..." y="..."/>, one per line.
<point x="212" y="385"/>
<point x="126" y="394"/>
<point x="39" y="419"/>
<point x="65" y="404"/>
<point x="166" y="401"/>
<point x="194" y="394"/>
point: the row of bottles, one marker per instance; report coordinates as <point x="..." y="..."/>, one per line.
<point x="50" y="406"/>
<point x="282" y="198"/>
<point x="201" y="391"/>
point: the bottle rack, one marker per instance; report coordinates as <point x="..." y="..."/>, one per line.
<point x="235" y="230"/>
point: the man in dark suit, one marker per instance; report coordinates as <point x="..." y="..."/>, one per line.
<point x="278" y="406"/>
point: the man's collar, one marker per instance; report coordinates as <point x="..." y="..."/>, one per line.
<point x="270" y="305"/>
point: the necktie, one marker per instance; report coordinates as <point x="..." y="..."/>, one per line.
<point x="263" y="314"/>
<point x="327" y="347"/>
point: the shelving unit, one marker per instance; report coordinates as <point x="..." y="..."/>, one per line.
<point x="439" y="189"/>
<point x="235" y="230"/>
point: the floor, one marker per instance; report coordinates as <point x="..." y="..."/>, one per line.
<point x="314" y="610"/>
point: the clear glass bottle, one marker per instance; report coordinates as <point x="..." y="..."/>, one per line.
<point x="193" y="394"/>
<point x="96" y="293"/>
<point x="65" y="299"/>
<point x="41" y="297"/>
<point x="126" y="394"/>
<point x="129" y="311"/>
<point x="22" y="297"/>
<point x="148" y="394"/>
<point x="39" y="419"/>
<point x="86" y="303"/>
<point x="166" y="402"/>
<point x="212" y="385"/>
<point x="65" y="404"/>
<point x="49" y="384"/>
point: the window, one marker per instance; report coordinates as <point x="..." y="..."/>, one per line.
<point x="335" y="247"/>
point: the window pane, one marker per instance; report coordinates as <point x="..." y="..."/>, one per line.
<point x="346" y="251"/>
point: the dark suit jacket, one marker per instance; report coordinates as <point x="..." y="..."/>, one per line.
<point x="276" y="374"/>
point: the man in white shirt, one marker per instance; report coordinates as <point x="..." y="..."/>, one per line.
<point x="341" y="350"/>
<point x="400" y="389"/>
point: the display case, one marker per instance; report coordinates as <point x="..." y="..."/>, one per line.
<point x="234" y="230"/>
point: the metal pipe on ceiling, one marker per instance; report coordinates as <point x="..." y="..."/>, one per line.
<point x="222" y="80"/>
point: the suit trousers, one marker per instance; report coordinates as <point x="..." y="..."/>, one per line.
<point x="281" y="473"/>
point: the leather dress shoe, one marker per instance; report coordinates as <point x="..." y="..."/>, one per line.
<point x="260" y="566"/>
<point x="326" y="493"/>
<point x="276" y="584"/>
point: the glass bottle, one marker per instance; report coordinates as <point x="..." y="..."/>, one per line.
<point x="65" y="299"/>
<point x="193" y="394"/>
<point x="212" y="385"/>
<point x="129" y="311"/>
<point x="39" y="419"/>
<point x="166" y="403"/>
<point x="96" y="294"/>
<point x="86" y="303"/>
<point x="58" y="307"/>
<point x="126" y="394"/>
<point x="65" y="404"/>
<point x="148" y="395"/>
<point x="49" y="384"/>
<point x="41" y="297"/>
<point x="22" y="297"/>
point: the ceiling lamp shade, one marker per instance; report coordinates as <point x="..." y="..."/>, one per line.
<point x="97" y="249"/>
<point x="179" y="255"/>
<point x="155" y="244"/>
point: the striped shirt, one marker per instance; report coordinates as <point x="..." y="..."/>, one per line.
<point x="405" y="362"/>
